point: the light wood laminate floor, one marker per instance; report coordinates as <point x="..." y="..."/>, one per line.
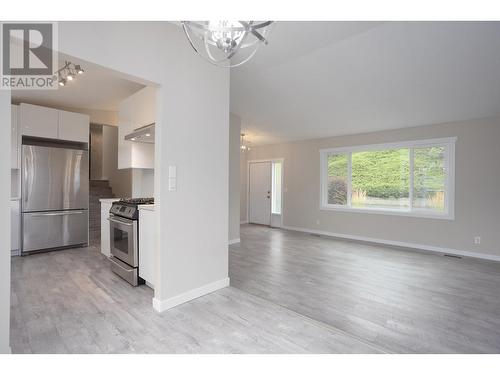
<point x="398" y="300"/>
<point x="290" y="293"/>
<point x="70" y="302"/>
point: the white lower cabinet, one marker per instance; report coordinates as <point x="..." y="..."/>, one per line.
<point x="15" y="227"/>
<point x="105" y="239"/>
<point x="147" y="244"/>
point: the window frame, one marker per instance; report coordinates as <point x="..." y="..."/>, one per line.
<point x="449" y="154"/>
<point x="273" y="187"/>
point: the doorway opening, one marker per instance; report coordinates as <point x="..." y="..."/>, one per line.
<point x="265" y="192"/>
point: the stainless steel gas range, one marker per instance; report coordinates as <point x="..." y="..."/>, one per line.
<point x="124" y="236"/>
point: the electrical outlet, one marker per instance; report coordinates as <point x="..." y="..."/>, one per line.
<point x="477" y="240"/>
<point x="317" y="221"/>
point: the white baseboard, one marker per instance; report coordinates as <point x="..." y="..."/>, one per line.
<point x="163" y="305"/>
<point x="244" y="222"/>
<point x="435" y="249"/>
<point x="6" y="350"/>
<point x="236" y="240"/>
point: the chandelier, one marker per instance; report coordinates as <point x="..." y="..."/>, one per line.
<point x="227" y="43"/>
<point x="68" y="73"/>
<point x="244" y="146"/>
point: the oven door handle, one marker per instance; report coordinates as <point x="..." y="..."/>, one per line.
<point x="120" y="221"/>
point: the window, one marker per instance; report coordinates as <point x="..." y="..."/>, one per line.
<point x="408" y="178"/>
<point x="276" y="188"/>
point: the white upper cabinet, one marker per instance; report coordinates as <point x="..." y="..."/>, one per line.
<point x="38" y="121"/>
<point x="73" y="126"/>
<point x="14" y="137"/>
<point x="137" y="110"/>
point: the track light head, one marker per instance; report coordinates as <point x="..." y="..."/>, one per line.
<point x="79" y="69"/>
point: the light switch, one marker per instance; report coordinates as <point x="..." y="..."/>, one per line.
<point x="172" y="184"/>
<point x="172" y="171"/>
<point x="172" y="178"/>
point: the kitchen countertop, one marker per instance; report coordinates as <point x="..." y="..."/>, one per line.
<point x="148" y="207"/>
<point x="109" y="200"/>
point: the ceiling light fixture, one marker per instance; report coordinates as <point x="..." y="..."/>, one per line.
<point x="227" y="43"/>
<point x="68" y="73"/>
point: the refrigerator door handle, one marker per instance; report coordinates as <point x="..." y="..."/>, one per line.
<point x="26" y="177"/>
<point x="58" y="213"/>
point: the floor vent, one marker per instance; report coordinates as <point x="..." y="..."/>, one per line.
<point x="452" y="256"/>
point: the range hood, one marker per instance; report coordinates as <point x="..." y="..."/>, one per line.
<point x="145" y="134"/>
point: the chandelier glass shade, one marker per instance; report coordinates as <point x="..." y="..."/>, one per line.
<point x="244" y="145"/>
<point x="227" y="43"/>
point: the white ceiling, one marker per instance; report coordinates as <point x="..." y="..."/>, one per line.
<point x="98" y="88"/>
<point x="318" y="79"/>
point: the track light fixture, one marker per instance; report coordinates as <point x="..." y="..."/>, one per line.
<point x="68" y="73"/>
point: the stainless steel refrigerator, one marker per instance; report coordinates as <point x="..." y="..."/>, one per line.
<point x="55" y="195"/>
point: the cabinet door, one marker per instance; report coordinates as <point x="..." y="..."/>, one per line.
<point x="14" y="143"/>
<point x="15" y="223"/>
<point x="73" y="127"/>
<point x="147" y="244"/>
<point x="105" y="245"/>
<point x="38" y="121"/>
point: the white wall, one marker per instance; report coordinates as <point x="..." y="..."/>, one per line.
<point x="192" y="133"/>
<point x="5" y="221"/>
<point x="234" y="177"/>
<point x="477" y="206"/>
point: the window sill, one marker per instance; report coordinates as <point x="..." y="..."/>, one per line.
<point x="384" y="211"/>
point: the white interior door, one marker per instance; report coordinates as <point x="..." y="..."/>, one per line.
<point x="260" y="193"/>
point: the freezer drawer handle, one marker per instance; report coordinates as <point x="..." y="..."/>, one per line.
<point x="59" y="213"/>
